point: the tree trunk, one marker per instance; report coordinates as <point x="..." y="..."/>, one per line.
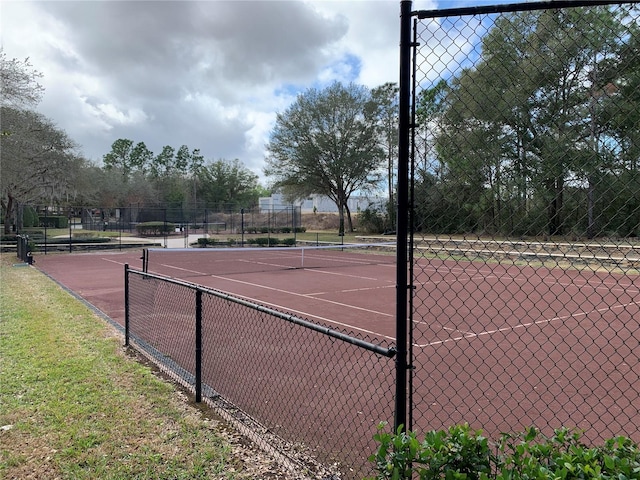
<point x="349" y="220"/>
<point x="8" y="215"/>
<point x="341" y="219"/>
<point x="555" y="206"/>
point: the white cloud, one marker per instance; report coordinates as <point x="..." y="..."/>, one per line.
<point x="206" y="74"/>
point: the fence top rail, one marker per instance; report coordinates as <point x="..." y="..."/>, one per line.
<point x="515" y="7"/>
<point x="377" y="349"/>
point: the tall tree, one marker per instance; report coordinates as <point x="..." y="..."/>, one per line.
<point x="228" y="184"/>
<point x="326" y="143"/>
<point x="127" y="157"/>
<point x="385" y="98"/>
<point x="35" y="162"/>
<point x="523" y="119"/>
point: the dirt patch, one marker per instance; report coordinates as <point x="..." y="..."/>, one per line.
<point x="320" y="221"/>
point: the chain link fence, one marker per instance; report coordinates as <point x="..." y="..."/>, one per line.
<point x="524" y="258"/>
<point x="526" y="215"/>
<point x="316" y="392"/>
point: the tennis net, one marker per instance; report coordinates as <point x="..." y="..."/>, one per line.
<point x="185" y="262"/>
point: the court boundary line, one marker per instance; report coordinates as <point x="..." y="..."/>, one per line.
<point x="524" y="325"/>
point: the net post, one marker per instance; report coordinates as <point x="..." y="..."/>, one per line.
<point x="145" y="260"/>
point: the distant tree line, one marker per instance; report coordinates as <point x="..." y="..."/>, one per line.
<point x="541" y="136"/>
<point x="41" y="165"/>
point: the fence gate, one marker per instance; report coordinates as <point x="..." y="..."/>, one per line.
<point x="524" y="186"/>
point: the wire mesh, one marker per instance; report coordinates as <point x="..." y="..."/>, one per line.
<point x="162" y="323"/>
<point x="234" y="261"/>
<point x="324" y="394"/>
<point x="526" y="307"/>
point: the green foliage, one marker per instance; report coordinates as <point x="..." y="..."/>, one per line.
<point x="266" y="241"/>
<point x="461" y="453"/>
<point x="65" y="241"/>
<point x="155" y="228"/>
<point x="205" y="242"/>
<point x="372" y="220"/>
<point x="30" y="217"/>
<point x="326" y="143"/>
<point x="229" y="184"/>
<point x="56" y="221"/>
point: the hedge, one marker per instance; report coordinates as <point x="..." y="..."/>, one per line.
<point x="461" y="453"/>
<point x="155" y="228"/>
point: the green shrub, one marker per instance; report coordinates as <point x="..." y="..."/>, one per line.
<point x="266" y="241"/>
<point x="300" y="229"/>
<point x="155" y="228"/>
<point x="371" y="220"/>
<point x="204" y="242"/>
<point x="65" y="241"/>
<point x="30" y="217"/>
<point x="454" y="454"/>
<point x="55" y="221"/>
<point x="288" y="242"/>
<point x="461" y="453"/>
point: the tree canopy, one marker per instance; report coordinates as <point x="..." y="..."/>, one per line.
<point x="19" y="82"/>
<point x="327" y="143"/>
<point x="547" y="113"/>
<point x="38" y="158"/>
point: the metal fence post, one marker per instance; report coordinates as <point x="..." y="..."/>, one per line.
<point x="400" y="417"/>
<point x="198" y="372"/>
<point x="126" y="304"/>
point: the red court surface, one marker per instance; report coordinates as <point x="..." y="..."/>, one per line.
<point x="478" y="299"/>
<point x="470" y="318"/>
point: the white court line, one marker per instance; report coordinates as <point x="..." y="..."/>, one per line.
<point x="338" y="274"/>
<point x="112" y="261"/>
<point x="289" y="309"/>
<point x="307" y="314"/>
<point x="596" y="285"/>
<point x="303" y="295"/>
<point x="524" y="325"/>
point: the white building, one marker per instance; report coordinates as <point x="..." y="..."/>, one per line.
<point x="319" y="203"/>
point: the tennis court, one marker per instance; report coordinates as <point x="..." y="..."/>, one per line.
<point x="462" y="300"/>
<point x="355" y="289"/>
<point x="498" y="345"/>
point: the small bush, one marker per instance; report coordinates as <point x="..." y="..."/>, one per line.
<point x="30" y="217"/>
<point x="54" y="221"/>
<point x="205" y="242"/>
<point x="461" y="453"/>
<point x="266" y="241"/>
<point x="371" y="220"/>
<point x="288" y="242"/>
<point x="65" y="241"/>
<point x="155" y="228"/>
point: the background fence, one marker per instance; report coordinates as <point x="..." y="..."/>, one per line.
<point x="125" y="218"/>
<point x="525" y="305"/>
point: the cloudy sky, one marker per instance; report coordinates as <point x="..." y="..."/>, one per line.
<point x="207" y="74"/>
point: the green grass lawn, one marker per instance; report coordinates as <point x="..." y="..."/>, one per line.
<point x="74" y="405"/>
